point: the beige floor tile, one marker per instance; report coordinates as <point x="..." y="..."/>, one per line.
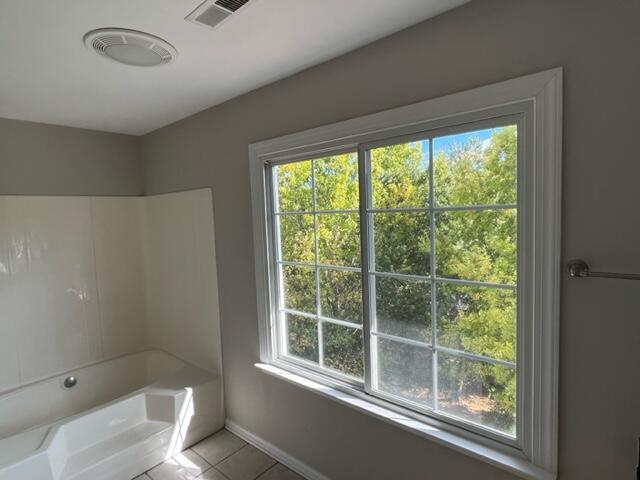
<point x="212" y="474"/>
<point x="280" y="472"/>
<point x="218" y="446"/>
<point x="245" y="464"/>
<point x="185" y="466"/>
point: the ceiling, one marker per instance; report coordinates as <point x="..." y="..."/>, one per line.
<point x="49" y="76"/>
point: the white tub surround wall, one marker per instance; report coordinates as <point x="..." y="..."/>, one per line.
<point x="120" y="274"/>
<point x="65" y="301"/>
<point x="73" y="282"/>
<point x="181" y="278"/>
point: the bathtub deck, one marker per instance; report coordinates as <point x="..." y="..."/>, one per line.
<point x="103" y="451"/>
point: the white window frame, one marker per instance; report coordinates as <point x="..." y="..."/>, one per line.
<point x="535" y="101"/>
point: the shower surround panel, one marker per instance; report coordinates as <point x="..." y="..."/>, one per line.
<point x="84" y="279"/>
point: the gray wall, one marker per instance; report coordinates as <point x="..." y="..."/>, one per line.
<point x="38" y="159"/>
<point x="480" y="43"/>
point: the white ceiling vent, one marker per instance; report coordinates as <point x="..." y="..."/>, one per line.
<point x="130" y="47"/>
<point x="210" y="13"/>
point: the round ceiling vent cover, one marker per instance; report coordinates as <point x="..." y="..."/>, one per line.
<point x="130" y="47"/>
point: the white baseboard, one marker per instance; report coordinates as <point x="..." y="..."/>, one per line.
<point x="283" y="457"/>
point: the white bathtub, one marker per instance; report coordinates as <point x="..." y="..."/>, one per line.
<point x="121" y="418"/>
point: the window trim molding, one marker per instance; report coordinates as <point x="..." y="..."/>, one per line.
<point x="543" y="91"/>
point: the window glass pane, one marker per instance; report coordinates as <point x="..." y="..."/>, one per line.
<point x="302" y="337"/>
<point x="294" y="187"/>
<point x="336" y="180"/>
<point x="296" y="238"/>
<point x="339" y="239"/>
<point x="343" y="349"/>
<point x="299" y="288"/>
<point x="478" y="392"/>
<point x="401" y="243"/>
<point x="341" y="295"/>
<point x="476" y="168"/>
<point x="403" y="308"/>
<point x="478" y="320"/>
<point x="477" y="245"/>
<point x="405" y="371"/>
<point x="400" y="175"/>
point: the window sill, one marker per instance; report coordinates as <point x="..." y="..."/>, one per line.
<point x="512" y="461"/>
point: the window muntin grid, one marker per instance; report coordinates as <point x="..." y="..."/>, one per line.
<point x="319" y="211"/>
<point x="428" y="276"/>
<point x="434" y="276"/>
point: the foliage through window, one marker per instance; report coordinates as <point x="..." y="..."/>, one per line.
<point x="439" y="274"/>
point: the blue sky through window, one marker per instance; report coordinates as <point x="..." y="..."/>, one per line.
<point x="448" y="143"/>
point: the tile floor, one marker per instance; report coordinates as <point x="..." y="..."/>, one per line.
<point x="222" y="456"/>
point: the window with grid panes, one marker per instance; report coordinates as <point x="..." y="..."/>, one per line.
<point x="416" y="299"/>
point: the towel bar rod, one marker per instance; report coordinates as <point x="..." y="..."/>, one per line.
<point x="580" y="269"/>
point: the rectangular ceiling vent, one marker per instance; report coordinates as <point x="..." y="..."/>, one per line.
<point x="231" y="5"/>
<point x="211" y="13"/>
